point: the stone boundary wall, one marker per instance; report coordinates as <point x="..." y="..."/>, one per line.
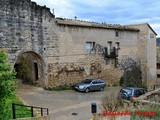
<point x="35" y="118"/>
<point x="151" y="98"/>
<point x="100" y="117"/>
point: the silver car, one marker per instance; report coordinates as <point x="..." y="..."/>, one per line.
<point x="90" y="84"/>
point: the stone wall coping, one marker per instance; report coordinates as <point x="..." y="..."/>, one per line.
<point x="34" y="118"/>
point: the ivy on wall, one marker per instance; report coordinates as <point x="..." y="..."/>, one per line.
<point x="132" y="75"/>
<point x="24" y="69"/>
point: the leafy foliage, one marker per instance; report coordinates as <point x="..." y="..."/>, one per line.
<point x="132" y="75"/>
<point x="121" y="82"/>
<point x="7" y="86"/>
<point x="24" y="68"/>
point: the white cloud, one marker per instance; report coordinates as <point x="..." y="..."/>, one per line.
<point x="156" y="27"/>
<point x="143" y="20"/>
<point x="111" y="11"/>
<point x="62" y="8"/>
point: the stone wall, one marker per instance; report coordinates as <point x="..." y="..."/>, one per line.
<point x="92" y="66"/>
<point x="100" y="117"/>
<point x="72" y="40"/>
<point x="27" y="27"/>
<point x="35" y="118"/>
<point x="147" y="49"/>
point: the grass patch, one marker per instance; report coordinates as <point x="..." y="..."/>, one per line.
<point x="21" y="112"/>
<point x="60" y="88"/>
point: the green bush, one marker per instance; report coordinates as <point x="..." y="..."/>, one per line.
<point x="121" y="82"/>
<point x="7" y="86"/>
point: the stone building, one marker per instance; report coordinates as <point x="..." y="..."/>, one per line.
<point x="58" y="51"/>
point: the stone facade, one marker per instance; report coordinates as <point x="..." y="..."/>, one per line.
<point x="64" y="51"/>
<point x="147" y="48"/>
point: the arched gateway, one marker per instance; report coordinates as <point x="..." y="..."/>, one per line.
<point x="30" y="68"/>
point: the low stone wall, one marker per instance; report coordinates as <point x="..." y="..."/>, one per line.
<point x="148" y="99"/>
<point x="151" y="98"/>
<point x="34" y="118"/>
<point x="100" y="117"/>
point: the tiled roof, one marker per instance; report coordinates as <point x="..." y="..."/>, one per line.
<point x="80" y="23"/>
<point x="143" y="24"/>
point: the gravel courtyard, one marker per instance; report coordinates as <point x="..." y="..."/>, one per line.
<point x="65" y="105"/>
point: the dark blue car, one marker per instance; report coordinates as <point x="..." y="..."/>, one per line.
<point x="130" y="92"/>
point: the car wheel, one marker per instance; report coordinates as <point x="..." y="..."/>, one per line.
<point x="87" y="90"/>
<point x="102" y="88"/>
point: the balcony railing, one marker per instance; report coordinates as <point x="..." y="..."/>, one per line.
<point x="111" y="53"/>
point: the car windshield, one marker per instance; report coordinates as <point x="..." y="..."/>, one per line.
<point x="87" y="81"/>
<point x="128" y="91"/>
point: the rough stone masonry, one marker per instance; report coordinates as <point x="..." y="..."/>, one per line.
<point x="54" y="50"/>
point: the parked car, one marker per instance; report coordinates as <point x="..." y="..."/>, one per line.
<point x="130" y="92"/>
<point x="90" y="84"/>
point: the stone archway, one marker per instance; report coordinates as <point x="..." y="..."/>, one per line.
<point x="30" y="68"/>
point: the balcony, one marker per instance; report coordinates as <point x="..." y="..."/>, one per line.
<point x="111" y="53"/>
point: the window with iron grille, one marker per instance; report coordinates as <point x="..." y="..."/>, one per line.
<point x="90" y="46"/>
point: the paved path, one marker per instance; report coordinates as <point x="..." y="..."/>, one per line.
<point x="65" y="105"/>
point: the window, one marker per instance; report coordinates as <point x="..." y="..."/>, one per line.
<point x="90" y="46"/>
<point x="139" y="92"/>
<point x="158" y="65"/>
<point x="158" y="75"/>
<point x="117" y="33"/>
<point x="94" y="82"/>
<point x="109" y="47"/>
<point x="151" y="35"/>
<point x="117" y="45"/>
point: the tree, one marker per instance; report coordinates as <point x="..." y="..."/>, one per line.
<point x="132" y="75"/>
<point x="7" y="86"/>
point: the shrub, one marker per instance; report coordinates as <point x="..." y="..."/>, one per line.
<point x="7" y="86"/>
<point x="112" y="103"/>
<point x="121" y="82"/>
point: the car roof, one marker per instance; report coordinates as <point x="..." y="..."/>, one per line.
<point x="135" y="88"/>
<point x="90" y="79"/>
<point x="93" y="79"/>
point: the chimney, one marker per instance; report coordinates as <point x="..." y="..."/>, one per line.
<point x="75" y="17"/>
<point x="53" y="11"/>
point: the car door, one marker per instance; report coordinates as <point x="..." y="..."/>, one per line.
<point x="94" y="85"/>
<point x="139" y="92"/>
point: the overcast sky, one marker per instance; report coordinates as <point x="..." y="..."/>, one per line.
<point x="110" y="11"/>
